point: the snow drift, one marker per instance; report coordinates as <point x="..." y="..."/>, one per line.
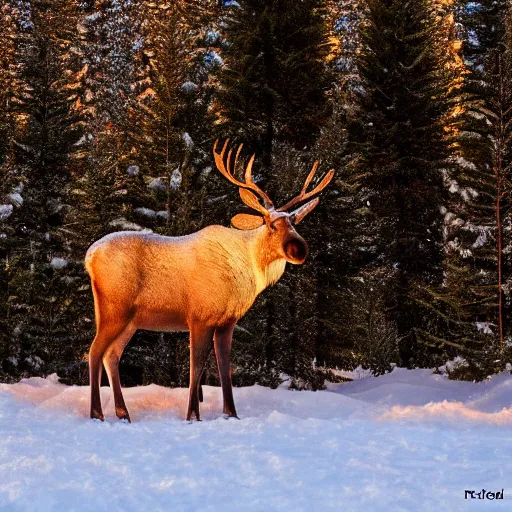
<point x="409" y="440"/>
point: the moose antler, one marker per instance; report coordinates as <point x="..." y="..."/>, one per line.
<point x="245" y="187"/>
<point x="306" y="195"/>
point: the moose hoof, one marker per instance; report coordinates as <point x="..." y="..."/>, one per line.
<point x="124" y="416"/>
<point x="97" y="416"/>
<point x="228" y="416"/>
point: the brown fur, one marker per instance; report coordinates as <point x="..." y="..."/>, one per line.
<point x="202" y="283"/>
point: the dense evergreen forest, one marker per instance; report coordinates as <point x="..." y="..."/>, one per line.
<point x="108" y="114"/>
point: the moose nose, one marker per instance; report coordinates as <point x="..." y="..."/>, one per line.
<point x="296" y="250"/>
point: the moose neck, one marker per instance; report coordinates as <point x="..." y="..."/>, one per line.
<point x="268" y="266"/>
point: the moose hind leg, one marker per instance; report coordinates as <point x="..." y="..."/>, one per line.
<point x="222" y="340"/>
<point x="111" y="360"/>
<point x="104" y="337"/>
<point x="201" y="344"/>
<point x="95" y="371"/>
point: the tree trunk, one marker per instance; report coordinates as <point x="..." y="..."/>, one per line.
<point x="498" y="171"/>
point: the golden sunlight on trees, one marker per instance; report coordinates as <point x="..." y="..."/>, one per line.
<point x="108" y="113"/>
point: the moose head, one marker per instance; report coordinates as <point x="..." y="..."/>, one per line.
<point x="283" y="241"/>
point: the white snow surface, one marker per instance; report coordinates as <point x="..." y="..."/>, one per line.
<point x="157" y="184"/>
<point x="485" y="327"/>
<point x="127" y="225"/>
<point x="187" y="139"/>
<point x="145" y="212"/>
<point x="58" y="263"/>
<point x="176" y="179"/>
<point x="94" y="16"/>
<point x="133" y="170"/>
<point x="164" y="214"/>
<point x="189" y="87"/>
<point x="409" y="440"/>
<point x="5" y="211"/>
<point x="15" y="199"/>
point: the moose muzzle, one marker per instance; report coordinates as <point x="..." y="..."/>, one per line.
<point x="295" y="249"/>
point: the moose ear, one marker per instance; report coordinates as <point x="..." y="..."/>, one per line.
<point x="298" y="214"/>
<point x="246" y="221"/>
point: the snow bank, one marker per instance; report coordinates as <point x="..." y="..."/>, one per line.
<point x="403" y="441"/>
<point x="422" y="387"/>
<point x="449" y="411"/>
<point x="157" y="402"/>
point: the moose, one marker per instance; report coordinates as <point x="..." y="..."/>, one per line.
<point x="202" y="283"/>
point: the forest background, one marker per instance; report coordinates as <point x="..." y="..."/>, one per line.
<point x="108" y="114"/>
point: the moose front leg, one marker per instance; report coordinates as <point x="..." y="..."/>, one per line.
<point x="201" y="344"/>
<point x="222" y="341"/>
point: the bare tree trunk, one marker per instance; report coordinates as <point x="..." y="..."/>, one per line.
<point x="269" y="136"/>
<point x="499" y="235"/>
<point x="498" y="172"/>
<point x="168" y="173"/>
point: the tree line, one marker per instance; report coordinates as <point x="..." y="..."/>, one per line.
<point x="108" y="114"/>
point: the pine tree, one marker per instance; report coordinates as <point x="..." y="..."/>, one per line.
<point x="139" y="168"/>
<point x="47" y="128"/>
<point x="6" y="75"/>
<point x="114" y="79"/>
<point x="476" y="271"/>
<point x="273" y="84"/>
<point x="7" y="176"/>
<point x="487" y="51"/>
<point x="266" y="99"/>
<point x="406" y="103"/>
<point x="167" y="111"/>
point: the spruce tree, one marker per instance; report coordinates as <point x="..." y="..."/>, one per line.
<point x="7" y="39"/>
<point x="405" y="103"/>
<point x="486" y="149"/>
<point x="274" y="81"/>
<point x="267" y="99"/>
<point x="47" y="127"/>
<point x="7" y="174"/>
<point x="477" y="269"/>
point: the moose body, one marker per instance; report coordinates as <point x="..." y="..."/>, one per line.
<point x="202" y="283"/>
<point x="169" y="283"/>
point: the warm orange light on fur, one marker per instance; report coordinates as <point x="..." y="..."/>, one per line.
<point x="202" y="283"/>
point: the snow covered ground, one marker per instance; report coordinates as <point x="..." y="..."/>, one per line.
<point x="406" y="441"/>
